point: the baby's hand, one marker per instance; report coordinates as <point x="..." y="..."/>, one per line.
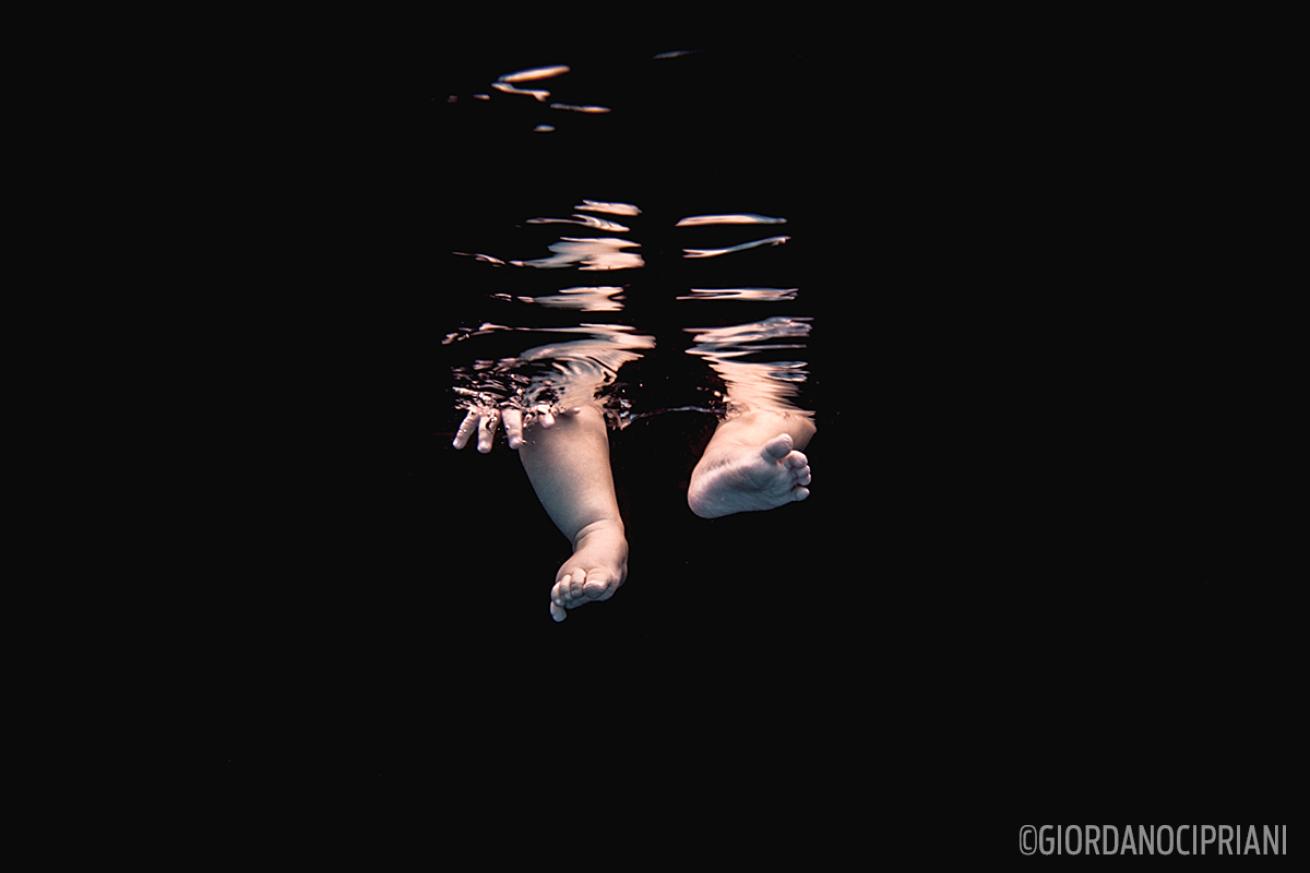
<point x="484" y="419"/>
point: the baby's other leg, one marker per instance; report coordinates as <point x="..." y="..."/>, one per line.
<point x="753" y="462"/>
<point x="569" y="467"/>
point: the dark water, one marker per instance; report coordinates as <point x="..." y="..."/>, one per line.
<point x="999" y="427"/>
<point x="431" y="600"/>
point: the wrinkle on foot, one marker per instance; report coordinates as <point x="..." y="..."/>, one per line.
<point x="746" y="478"/>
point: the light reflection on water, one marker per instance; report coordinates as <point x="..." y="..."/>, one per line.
<point x="605" y="298"/>
<point x="753" y="244"/>
<point x="753" y="341"/>
<point x="534" y="74"/>
<point x="744" y="356"/>
<point x="506" y="88"/>
<point x="756" y="384"/>
<point x="608" y="208"/>
<point x="773" y="295"/>
<point x="509" y="84"/>
<point x="585" y="221"/>
<point x="600" y="253"/>
<point x="583" y="253"/>
<point x="740" y="218"/>
<point x="586" y="110"/>
<point x="564" y="372"/>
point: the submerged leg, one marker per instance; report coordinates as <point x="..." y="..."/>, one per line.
<point x="753" y="462"/>
<point x="569" y="468"/>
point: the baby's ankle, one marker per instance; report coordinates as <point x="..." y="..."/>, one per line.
<point x="601" y="527"/>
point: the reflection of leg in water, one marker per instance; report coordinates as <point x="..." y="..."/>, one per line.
<point x="753" y="461"/>
<point x="569" y="468"/>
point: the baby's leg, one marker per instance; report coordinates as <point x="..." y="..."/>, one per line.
<point x="569" y="467"/>
<point x="753" y="462"/>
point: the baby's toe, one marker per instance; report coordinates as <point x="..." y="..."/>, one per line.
<point x="557" y="612"/>
<point x="803" y="475"/>
<point x="795" y="460"/>
<point x="800" y="493"/>
<point x="577" y="581"/>
<point x="778" y="447"/>
<point x="559" y="593"/>
<point x="600" y="583"/>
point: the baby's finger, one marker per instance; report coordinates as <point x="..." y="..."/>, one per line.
<point x="544" y="415"/>
<point x="487" y="434"/>
<point x="466" y="429"/>
<point x="513" y="419"/>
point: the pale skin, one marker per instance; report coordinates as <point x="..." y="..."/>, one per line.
<point x="753" y="462"/>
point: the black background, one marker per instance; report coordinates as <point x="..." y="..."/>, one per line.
<point x="1019" y="592"/>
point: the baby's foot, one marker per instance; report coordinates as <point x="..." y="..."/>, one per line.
<point x="751" y="478"/>
<point x="595" y="571"/>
